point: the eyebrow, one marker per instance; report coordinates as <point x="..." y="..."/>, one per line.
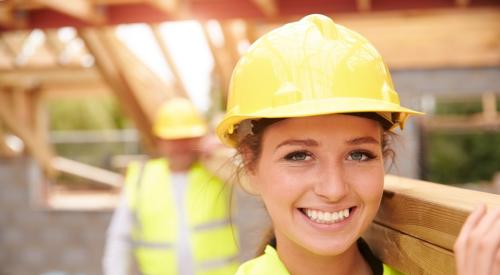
<point x="313" y="143"/>
<point x="306" y="142"/>
<point x="363" y="140"/>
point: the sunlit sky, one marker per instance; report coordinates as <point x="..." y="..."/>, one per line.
<point x="188" y="48"/>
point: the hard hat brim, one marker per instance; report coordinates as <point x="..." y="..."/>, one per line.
<point x="180" y="133"/>
<point x="310" y="108"/>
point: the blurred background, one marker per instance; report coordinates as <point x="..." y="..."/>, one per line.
<point x="80" y="81"/>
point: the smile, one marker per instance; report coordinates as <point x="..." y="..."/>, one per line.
<point x="325" y="217"/>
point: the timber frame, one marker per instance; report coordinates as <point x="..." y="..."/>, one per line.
<point x="418" y="221"/>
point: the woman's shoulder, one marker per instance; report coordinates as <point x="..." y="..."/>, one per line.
<point x="270" y="264"/>
<point x="266" y="264"/>
<point x="391" y="271"/>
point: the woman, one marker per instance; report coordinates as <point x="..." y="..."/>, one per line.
<point x="311" y="106"/>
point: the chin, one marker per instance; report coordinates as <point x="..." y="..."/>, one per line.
<point x="330" y="248"/>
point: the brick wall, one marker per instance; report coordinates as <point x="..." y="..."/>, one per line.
<point x="38" y="241"/>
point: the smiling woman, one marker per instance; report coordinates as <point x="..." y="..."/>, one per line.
<point x="310" y="108"/>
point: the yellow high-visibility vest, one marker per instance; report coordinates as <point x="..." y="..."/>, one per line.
<point x="212" y="238"/>
<point x="270" y="264"/>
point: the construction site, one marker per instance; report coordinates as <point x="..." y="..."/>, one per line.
<point x="82" y="80"/>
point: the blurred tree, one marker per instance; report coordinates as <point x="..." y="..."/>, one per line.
<point x="453" y="158"/>
<point x="94" y="113"/>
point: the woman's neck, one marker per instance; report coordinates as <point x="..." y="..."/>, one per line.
<point x="300" y="261"/>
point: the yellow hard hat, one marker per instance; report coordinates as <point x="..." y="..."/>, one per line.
<point x="306" y="68"/>
<point x="178" y="118"/>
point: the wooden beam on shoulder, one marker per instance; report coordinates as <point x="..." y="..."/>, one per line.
<point x="408" y="254"/>
<point x="429" y="211"/>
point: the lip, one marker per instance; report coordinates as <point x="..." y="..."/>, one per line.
<point x="328" y="227"/>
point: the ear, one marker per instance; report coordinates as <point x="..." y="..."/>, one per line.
<point x="248" y="174"/>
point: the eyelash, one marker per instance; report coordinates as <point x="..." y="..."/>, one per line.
<point x="365" y="154"/>
<point x="290" y="156"/>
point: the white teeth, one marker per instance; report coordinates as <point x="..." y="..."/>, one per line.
<point x="327" y="217"/>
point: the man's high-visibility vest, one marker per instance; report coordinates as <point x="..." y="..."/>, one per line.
<point x="206" y="215"/>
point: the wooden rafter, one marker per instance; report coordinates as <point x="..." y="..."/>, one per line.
<point x="178" y="83"/>
<point x="86" y="171"/>
<point x="5" y="150"/>
<point x="50" y="76"/>
<point x="54" y="44"/>
<point x="462" y="3"/>
<point x="489" y="102"/>
<point x="120" y="71"/>
<point x="81" y="9"/>
<point x="363" y="5"/>
<point x="6" y="16"/>
<point x="170" y="7"/>
<point x="230" y="42"/>
<point x="40" y="150"/>
<point x="268" y="7"/>
<point x="221" y="66"/>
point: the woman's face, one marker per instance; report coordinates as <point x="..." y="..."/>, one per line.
<point x="321" y="179"/>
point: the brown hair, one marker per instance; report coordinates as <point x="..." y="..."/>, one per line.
<point x="250" y="147"/>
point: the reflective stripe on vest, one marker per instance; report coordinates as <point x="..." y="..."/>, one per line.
<point x="155" y="234"/>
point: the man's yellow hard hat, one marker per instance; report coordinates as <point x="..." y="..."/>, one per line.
<point x="178" y="118"/>
<point x="307" y="68"/>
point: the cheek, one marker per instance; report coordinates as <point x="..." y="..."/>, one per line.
<point x="368" y="183"/>
<point x="275" y="185"/>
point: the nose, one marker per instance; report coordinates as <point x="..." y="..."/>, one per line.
<point x="331" y="183"/>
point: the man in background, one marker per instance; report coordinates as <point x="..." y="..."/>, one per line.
<point x="173" y="216"/>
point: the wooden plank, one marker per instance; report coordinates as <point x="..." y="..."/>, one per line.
<point x="6" y="18"/>
<point x="429" y="211"/>
<point x="81" y="90"/>
<point x="5" y="150"/>
<point x="408" y="254"/>
<point x="43" y="153"/>
<point x="49" y="76"/>
<point x="106" y="62"/>
<point x="81" y="9"/>
<point x="54" y="44"/>
<point x="221" y="70"/>
<point x="268" y="7"/>
<point x="461" y="124"/>
<point x="88" y="172"/>
<point x="178" y="83"/>
<point x="474" y="34"/>
<point x="489" y="102"/>
<point x="147" y="88"/>
<point x="364" y="5"/>
<point x="170" y="7"/>
<point x="230" y="42"/>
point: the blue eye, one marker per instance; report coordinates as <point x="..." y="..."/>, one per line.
<point x="297" y="156"/>
<point x="360" y="156"/>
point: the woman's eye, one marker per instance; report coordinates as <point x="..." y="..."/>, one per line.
<point x="297" y="156"/>
<point x="360" y="156"/>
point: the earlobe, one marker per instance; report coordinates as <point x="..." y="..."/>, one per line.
<point x="249" y="183"/>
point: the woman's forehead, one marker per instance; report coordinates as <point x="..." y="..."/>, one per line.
<point x="327" y="123"/>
